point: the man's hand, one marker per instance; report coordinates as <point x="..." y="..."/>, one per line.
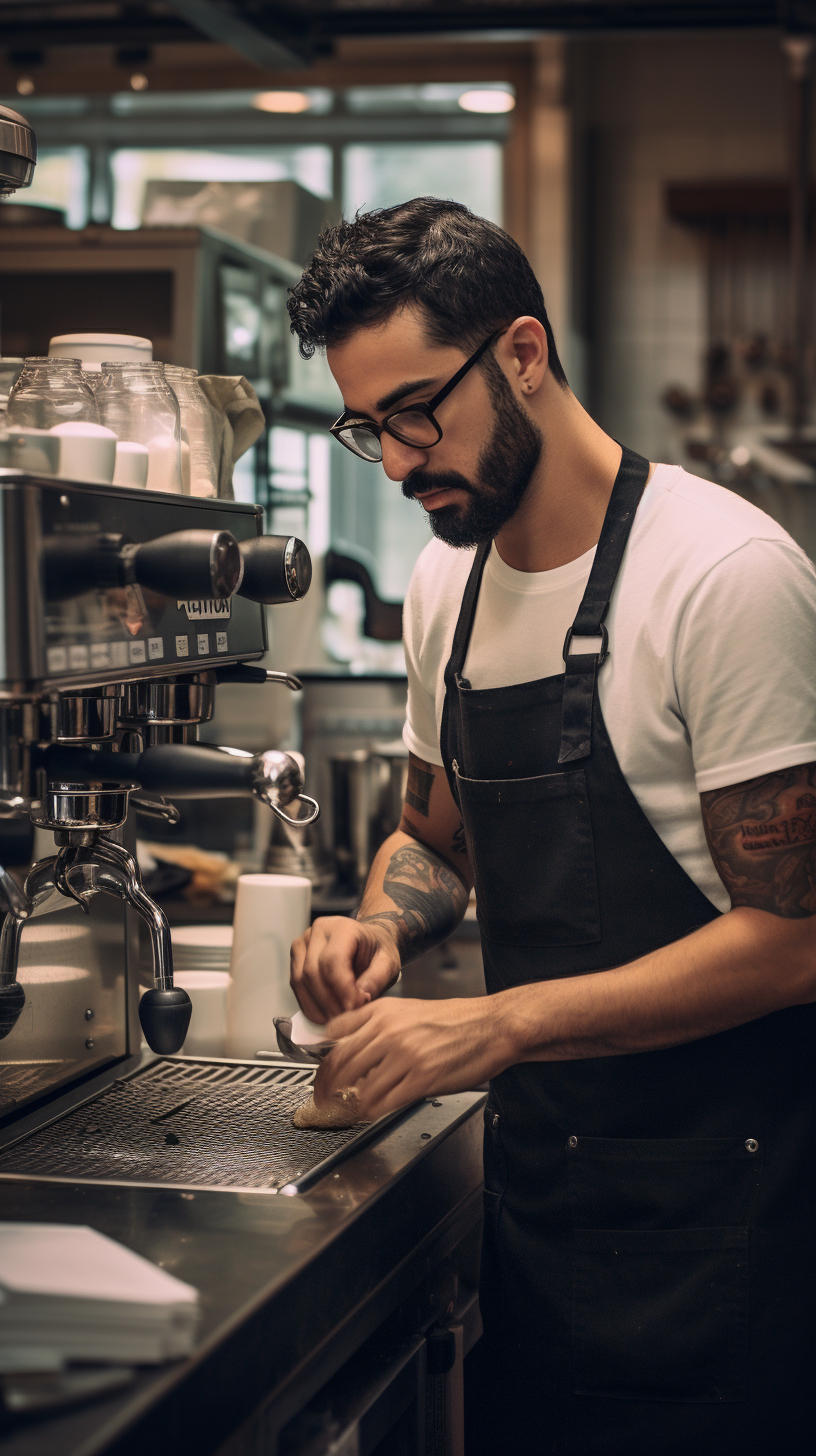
<point x="396" y="1051"/>
<point x="416" y="894"/>
<point x="341" y="964"/>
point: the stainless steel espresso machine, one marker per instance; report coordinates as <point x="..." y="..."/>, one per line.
<point x="122" y="611"/>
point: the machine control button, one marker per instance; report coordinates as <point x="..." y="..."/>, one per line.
<point x="155" y="647"/>
<point x="78" y="657"/>
<point x="56" y="659"/>
<point x="137" y="652"/>
<point x="89" y="1014"/>
<point x="203" y="640"/>
<point x="89" y="1043"/>
<point x="182" y="646"/>
<point x="119" y="654"/>
<point x="100" y="655"/>
<point x="221" y="642"/>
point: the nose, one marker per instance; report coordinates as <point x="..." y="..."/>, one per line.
<point x="399" y="460"/>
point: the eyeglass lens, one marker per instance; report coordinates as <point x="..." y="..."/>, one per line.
<point x="413" y="428"/>
<point x="362" y="441"/>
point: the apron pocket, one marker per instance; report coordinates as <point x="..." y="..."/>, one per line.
<point x="544" y="825"/>
<point x="661" y="1314"/>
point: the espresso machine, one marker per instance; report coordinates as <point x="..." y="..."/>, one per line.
<point x="122" y="612"/>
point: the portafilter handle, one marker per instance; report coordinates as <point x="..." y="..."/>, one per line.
<point x="193" y="771"/>
<point x="186" y="564"/>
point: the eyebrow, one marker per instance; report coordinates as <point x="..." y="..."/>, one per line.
<point x="401" y="391"/>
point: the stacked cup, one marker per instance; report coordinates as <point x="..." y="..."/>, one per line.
<point x="270" y="912"/>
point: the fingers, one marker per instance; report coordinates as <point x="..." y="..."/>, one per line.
<point x="325" y="963"/>
<point x="297" y="956"/>
<point x="381" y="973"/>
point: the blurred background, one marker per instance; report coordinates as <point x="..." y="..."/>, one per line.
<point x="652" y="158"/>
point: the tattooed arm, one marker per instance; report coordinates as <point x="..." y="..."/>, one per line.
<point x="758" y="958"/>
<point x="762" y="838"/>
<point x="416" y="894"/>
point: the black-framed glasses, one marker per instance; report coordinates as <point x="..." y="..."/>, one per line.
<point x="415" y="425"/>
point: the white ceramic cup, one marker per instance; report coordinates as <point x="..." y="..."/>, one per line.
<point x="270" y="912"/>
<point x="132" y="462"/>
<point x="87" y="451"/>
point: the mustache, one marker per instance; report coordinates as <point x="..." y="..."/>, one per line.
<point x="422" y="482"/>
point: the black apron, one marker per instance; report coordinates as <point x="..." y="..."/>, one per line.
<point x="648" y="1266"/>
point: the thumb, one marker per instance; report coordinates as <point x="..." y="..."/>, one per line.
<point x="381" y="972"/>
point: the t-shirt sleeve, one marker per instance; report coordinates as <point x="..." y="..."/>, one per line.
<point x="745" y="666"/>
<point x="420" y="732"/>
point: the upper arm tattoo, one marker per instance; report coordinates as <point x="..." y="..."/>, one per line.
<point x="762" y="837"/>
<point x="431" y="899"/>
<point x="420" y="783"/>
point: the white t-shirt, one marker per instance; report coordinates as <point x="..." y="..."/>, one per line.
<point x="711" y="674"/>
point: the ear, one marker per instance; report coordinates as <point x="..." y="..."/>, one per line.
<point x="523" y="351"/>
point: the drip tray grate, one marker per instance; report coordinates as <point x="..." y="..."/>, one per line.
<point x="189" y="1124"/>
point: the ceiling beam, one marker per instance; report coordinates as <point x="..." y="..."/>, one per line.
<point x="224" y="22"/>
<point x="133" y="30"/>
<point x="565" y="16"/>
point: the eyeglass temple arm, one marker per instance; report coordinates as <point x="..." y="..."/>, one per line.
<point x="460" y="373"/>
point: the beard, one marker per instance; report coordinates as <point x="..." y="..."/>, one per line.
<point x="503" y="472"/>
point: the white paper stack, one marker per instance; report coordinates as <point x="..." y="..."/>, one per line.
<point x="70" y="1293"/>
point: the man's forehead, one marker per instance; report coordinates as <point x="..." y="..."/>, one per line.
<point x="377" y="359"/>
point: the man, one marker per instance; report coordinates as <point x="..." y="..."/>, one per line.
<point x="612" y="725"/>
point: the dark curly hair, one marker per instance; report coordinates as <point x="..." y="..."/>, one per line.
<point x="467" y="275"/>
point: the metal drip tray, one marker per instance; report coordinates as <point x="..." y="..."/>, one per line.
<point x="182" y="1123"/>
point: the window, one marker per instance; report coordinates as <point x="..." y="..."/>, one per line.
<point x="381" y="175"/>
<point x="134" y="167"/>
<point x="61" y="179"/>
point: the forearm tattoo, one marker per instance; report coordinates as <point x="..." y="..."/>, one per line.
<point x="762" y="837"/>
<point x="430" y="897"/>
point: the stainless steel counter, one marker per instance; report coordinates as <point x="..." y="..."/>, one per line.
<point x="291" y="1286"/>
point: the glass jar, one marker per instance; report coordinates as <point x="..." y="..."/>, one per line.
<point x="51" y="392"/>
<point x="200" y="432"/>
<point x="137" y="403"/>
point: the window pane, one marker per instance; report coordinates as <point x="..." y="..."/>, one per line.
<point x="61" y="180"/>
<point x="381" y="176"/>
<point x="434" y="97"/>
<point x="133" y="168"/>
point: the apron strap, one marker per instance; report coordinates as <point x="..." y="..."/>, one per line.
<point x="580" y="665"/>
<point x="456" y="661"/>
<point x="467" y="613"/>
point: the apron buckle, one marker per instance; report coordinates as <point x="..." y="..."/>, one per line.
<point x="573" y="637"/>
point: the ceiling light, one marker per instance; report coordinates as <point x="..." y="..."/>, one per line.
<point x="25" y="86"/>
<point x="487" y="101"/>
<point x="139" y="81"/>
<point x="288" y="101"/>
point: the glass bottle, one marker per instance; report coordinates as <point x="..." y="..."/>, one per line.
<point x="137" y="403"/>
<point x="51" y="392"/>
<point x="200" y="432"/>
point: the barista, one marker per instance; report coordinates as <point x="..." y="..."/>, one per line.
<point x="612" y="726"/>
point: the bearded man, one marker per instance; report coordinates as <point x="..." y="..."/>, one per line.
<point x="612" y="728"/>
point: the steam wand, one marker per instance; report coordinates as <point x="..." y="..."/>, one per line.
<point x="88" y="863"/>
